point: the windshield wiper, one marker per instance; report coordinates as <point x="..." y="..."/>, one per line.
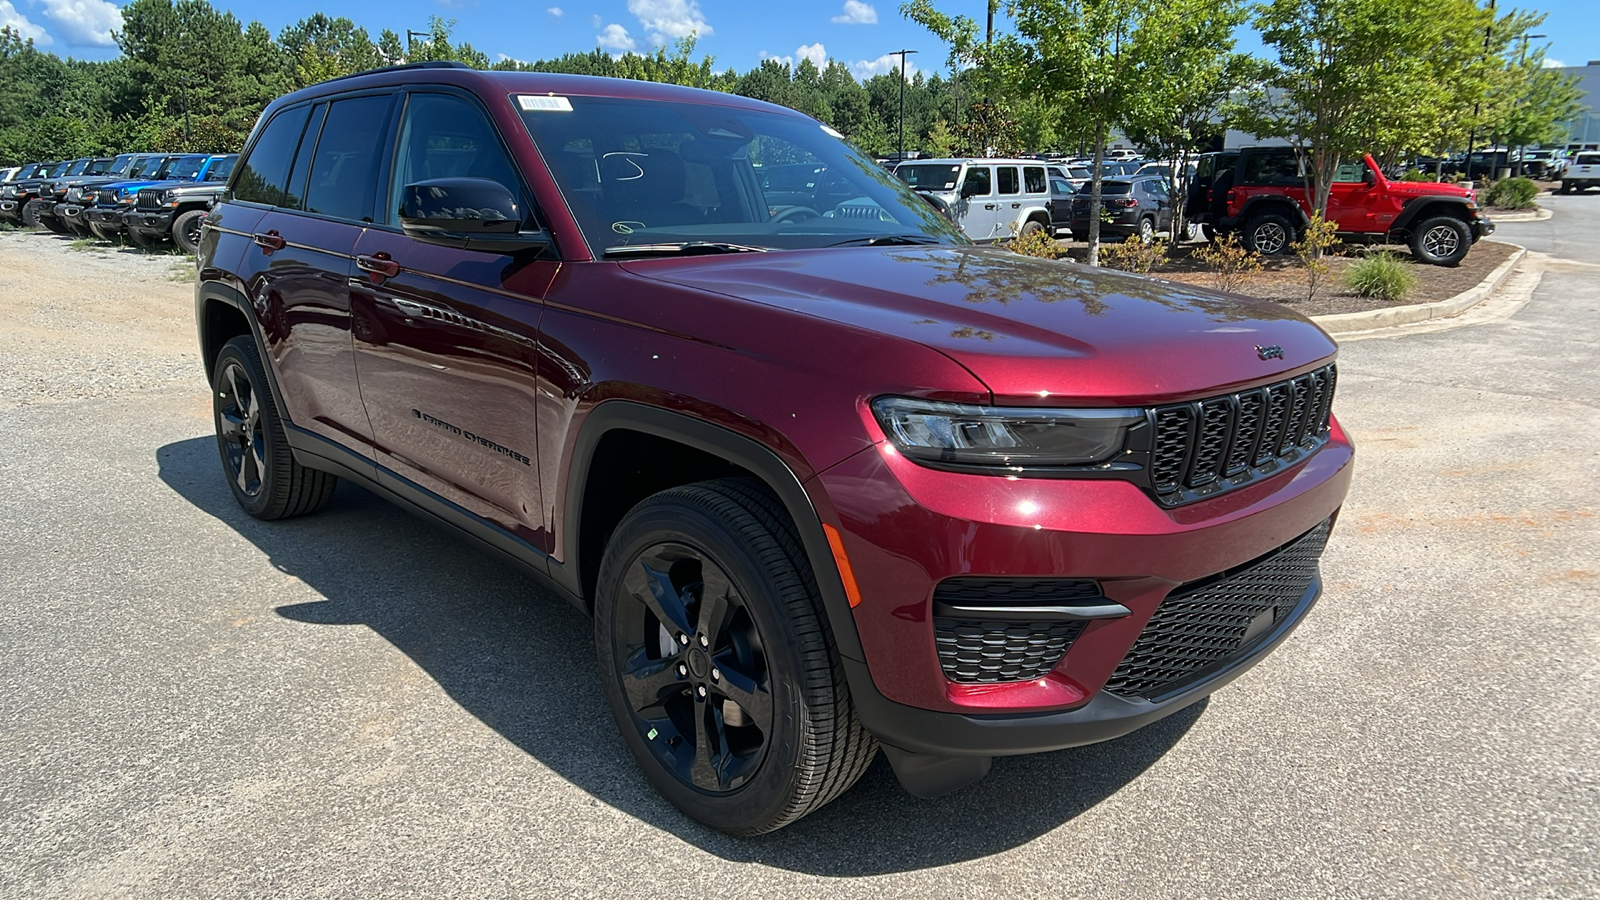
<point x="888" y="240"/>
<point x="681" y="248"/>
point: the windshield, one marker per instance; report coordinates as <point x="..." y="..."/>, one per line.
<point x="639" y="172"/>
<point x="929" y="177"/>
<point x="78" y="165"/>
<point x="186" y="167"/>
<point x="119" y="166"/>
<point x="144" y="166"/>
<point x="1107" y="188"/>
<point x="164" y="171"/>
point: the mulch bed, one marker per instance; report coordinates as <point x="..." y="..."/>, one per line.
<point x="1283" y="279"/>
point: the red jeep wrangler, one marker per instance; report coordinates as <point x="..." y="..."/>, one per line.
<point x="1259" y="193"/>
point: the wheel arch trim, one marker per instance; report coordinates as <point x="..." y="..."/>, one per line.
<point x="759" y="460"/>
<point x="1414" y="208"/>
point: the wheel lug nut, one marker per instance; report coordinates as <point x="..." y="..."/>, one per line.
<point x="701" y="690"/>
<point x="683" y="639"/>
<point x="715" y="675"/>
<point x="683" y="670"/>
<point x="704" y="642"/>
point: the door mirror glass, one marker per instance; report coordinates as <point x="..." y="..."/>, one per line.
<point x="460" y="206"/>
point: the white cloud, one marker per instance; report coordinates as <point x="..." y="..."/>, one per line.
<point x="507" y="58"/>
<point x="597" y="21"/>
<point x="857" y="13"/>
<point x="883" y="65"/>
<point x="670" y="19"/>
<point x="556" y="12"/>
<point x="615" y="38"/>
<point x="1554" y="63"/>
<point x="10" y="18"/>
<point x="84" y="23"/>
<point x="817" y="53"/>
<point x="786" y="60"/>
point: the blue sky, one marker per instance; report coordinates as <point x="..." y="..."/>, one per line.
<point x="738" y="33"/>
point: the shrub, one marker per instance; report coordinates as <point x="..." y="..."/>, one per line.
<point x="1415" y="174"/>
<point x="1230" y="263"/>
<point x="1512" y="193"/>
<point x="1039" y="244"/>
<point x="1134" y="255"/>
<point x="1321" y="236"/>
<point x="1384" y="276"/>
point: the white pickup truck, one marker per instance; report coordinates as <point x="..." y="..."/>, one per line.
<point x="1582" y="174"/>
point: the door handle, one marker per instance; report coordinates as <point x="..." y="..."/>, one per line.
<point x="378" y="266"/>
<point x="1016" y="206"/>
<point x="988" y="206"/>
<point x="269" y="242"/>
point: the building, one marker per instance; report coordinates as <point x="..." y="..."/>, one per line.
<point x="1585" y="133"/>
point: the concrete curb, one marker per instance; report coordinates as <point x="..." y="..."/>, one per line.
<point x="1346" y="323"/>
<point x="1536" y="215"/>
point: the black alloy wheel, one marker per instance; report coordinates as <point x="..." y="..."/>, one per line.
<point x="693" y="667"/>
<point x="266" y="479"/>
<point x="717" y="661"/>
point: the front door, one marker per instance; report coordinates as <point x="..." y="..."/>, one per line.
<point x="447" y="339"/>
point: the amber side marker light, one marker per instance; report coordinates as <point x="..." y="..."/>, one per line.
<point x="836" y="542"/>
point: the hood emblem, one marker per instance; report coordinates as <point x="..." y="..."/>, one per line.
<point x="1269" y="352"/>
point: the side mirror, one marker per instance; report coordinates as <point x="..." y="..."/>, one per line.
<point x="467" y="213"/>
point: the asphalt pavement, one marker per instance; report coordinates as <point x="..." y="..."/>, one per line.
<point x="353" y="704"/>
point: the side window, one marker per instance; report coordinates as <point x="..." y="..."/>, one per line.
<point x="221" y="169"/>
<point x="1272" y="168"/>
<point x="295" y="192"/>
<point x="1033" y="179"/>
<point x="264" y="174"/>
<point x="977" y="182"/>
<point x="344" y="166"/>
<point x="1351" y="172"/>
<point x="445" y="136"/>
<point x="1008" y="179"/>
<point x="1060" y="186"/>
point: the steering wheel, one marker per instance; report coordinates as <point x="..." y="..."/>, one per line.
<point x="796" y="214"/>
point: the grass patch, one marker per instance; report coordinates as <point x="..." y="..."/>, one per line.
<point x="82" y="244"/>
<point x="181" y="273"/>
<point x="1382" y="276"/>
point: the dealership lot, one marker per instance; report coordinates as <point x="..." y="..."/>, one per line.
<point x="200" y="704"/>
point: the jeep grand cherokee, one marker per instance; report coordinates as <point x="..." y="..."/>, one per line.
<point x="828" y="477"/>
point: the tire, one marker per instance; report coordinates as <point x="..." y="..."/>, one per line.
<point x="138" y="240"/>
<point x="30" y="216"/>
<point x="1209" y="233"/>
<point x="55" y="225"/>
<point x="1268" y="234"/>
<point x="666" y="656"/>
<point x="1566" y="187"/>
<point x="186" y="230"/>
<point x="1440" y="241"/>
<point x="97" y="232"/>
<point x="1147" y="230"/>
<point x="265" y="478"/>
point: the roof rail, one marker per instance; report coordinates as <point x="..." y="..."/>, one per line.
<point x="431" y="64"/>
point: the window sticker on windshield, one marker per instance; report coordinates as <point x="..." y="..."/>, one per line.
<point x="530" y="103"/>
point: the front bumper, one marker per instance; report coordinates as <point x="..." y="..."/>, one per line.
<point x="69" y="212"/>
<point x="152" y="222"/>
<point x="107" y="220"/>
<point x="1482" y="227"/>
<point x="11" y="209"/>
<point x="906" y="528"/>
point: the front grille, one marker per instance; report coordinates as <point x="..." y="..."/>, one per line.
<point x="1206" y="445"/>
<point x="1205" y="624"/>
<point x="150" y="199"/>
<point x="977" y="650"/>
<point x="107" y="198"/>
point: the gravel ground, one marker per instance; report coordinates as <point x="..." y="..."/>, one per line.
<point x="197" y="704"/>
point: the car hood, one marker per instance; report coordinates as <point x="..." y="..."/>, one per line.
<point x="1434" y="188"/>
<point x="136" y="185"/>
<point x="1030" y="329"/>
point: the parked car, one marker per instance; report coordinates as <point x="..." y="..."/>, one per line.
<point x="10" y="209"/>
<point x="1136" y="205"/>
<point x="1487" y="164"/>
<point x="9" y="173"/>
<point x="81" y="193"/>
<point x="54" y="191"/>
<point x="15" y="197"/>
<point x="1582" y="174"/>
<point x="1260" y="193"/>
<point x="825" y="483"/>
<point x="115" y="198"/>
<point x="174" y="210"/>
<point x="1543" y="164"/>
<point x="996" y="200"/>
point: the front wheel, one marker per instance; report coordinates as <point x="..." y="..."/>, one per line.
<point x="717" y="661"/>
<point x="30" y="216"/>
<point x="266" y="479"/>
<point x="1441" y="241"/>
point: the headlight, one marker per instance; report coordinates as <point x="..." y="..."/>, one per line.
<point x="1001" y="438"/>
<point x="169" y="198"/>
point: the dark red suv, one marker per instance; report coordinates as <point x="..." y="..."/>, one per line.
<point x="829" y="477"/>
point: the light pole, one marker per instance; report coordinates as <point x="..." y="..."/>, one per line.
<point x="902" y="54"/>
<point x="410" y="36"/>
<point x="183" y="87"/>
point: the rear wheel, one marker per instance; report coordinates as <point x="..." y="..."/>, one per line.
<point x="1147" y="230"/>
<point x="1441" y="241"/>
<point x="30" y="215"/>
<point x="1030" y="228"/>
<point x="717" y="662"/>
<point x="1269" y="234"/>
<point x="265" y="478"/>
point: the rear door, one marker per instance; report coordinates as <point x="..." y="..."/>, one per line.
<point x="299" y="260"/>
<point x="447" y="339"/>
